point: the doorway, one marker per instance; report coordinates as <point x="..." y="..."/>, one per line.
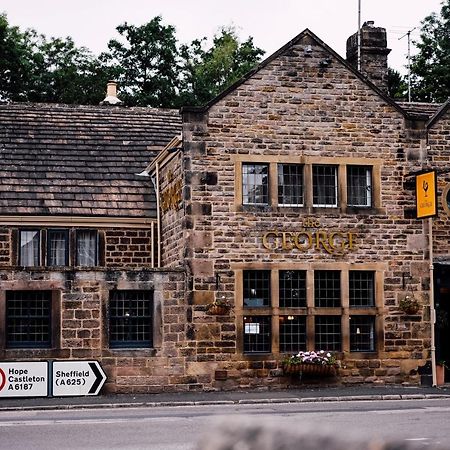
<point x="442" y="305"/>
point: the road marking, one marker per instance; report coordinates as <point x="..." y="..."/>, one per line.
<point x="417" y="439"/>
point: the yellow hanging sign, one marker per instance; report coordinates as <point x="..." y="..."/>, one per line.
<point x="426" y="195"/>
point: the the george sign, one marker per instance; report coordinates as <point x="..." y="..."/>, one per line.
<point x="426" y="195"/>
<point x="72" y="378"/>
<point x="23" y="379"/>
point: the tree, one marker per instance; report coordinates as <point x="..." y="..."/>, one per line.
<point x="15" y="61"/>
<point x="205" y="73"/>
<point x="397" y="87"/>
<point x="63" y="73"/>
<point x="145" y="65"/>
<point x="430" y="68"/>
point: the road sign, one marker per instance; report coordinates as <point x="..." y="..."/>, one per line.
<point x="426" y="194"/>
<point x="23" y="379"/>
<point x="72" y="378"/>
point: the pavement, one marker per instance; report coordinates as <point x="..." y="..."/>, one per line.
<point x="298" y="395"/>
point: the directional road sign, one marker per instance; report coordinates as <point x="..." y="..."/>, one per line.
<point x="72" y="378"/>
<point x="23" y="379"/>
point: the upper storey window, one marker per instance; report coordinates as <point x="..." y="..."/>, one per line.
<point x="29" y="243"/>
<point x="255" y="184"/>
<point x="290" y="184"/>
<point x="271" y="182"/>
<point x="325" y="186"/>
<point x="58" y="247"/>
<point x="359" y="186"/>
<point x="87" y="248"/>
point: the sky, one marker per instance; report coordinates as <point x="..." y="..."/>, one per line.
<point x="271" y="23"/>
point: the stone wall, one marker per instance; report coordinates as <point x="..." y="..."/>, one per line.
<point x="129" y="247"/>
<point x="81" y="300"/>
<point x="297" y="107"/>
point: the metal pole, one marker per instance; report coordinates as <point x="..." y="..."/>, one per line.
<point x="409" y="66"/>
<point x="359" y="35"/>
<point x="432" y="310"/>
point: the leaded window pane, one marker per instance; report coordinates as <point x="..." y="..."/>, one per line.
<point x="359" y="186"/>
<point x="28" y="319"/>
<point x="87" y="248"/>
<point x="257" y="334"/>
<point x="362" y="290"/>
<point x="290" y="184"/>
<point x="292" y="288"/>
<point x="255" y="184"/>
<point x="29" y="248"/>
<point x="328" y="333"/>
<point x="292" y="333"/>
<point x="57" y="247"/>
<point x="256" y="288"/>
<point x="327" y="288"/>
<point x="131" y="319"/>
<point x="362" y="333"/>
<point x="325" y="186"/>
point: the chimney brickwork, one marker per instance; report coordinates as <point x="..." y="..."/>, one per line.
<point x="374" y="54"/>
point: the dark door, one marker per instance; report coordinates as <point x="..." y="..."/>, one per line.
<point x="442" y="305"/>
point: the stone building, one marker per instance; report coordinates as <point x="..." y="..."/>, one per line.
<point x="289" y="198"/>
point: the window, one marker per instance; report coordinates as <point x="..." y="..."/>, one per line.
<point x="362" y="292"/>
<point x="58" y="247"/>
<point x="280" y="182"/>
<point x="255" y="184"/>
<point x="130" y="319"/>
<point x="280" y="313"/>
<point x="362" y="334"/>
<point x="28" y="319"/>
<point x="257" y="336"/>
<point x="328" y="333"/>
<point x="29" y="242"/>
<point x="87" y="250"/>
<point x="359" y="186"/>
<point x="256" y="288"/>
<point x="292" y="333"/>
<point x="327" y="288"/>
<point x="292" y="288"/>
<point x="290" y="185"/>
<point x="325" y="186"/>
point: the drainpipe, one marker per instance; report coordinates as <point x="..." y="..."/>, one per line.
<point x="158" y="218"/>
<point x="432" y="310"/>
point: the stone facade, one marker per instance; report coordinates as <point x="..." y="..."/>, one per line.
<point x="197" y="241"/>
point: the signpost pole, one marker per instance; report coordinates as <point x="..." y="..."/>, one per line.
<point x="432" y="310"/>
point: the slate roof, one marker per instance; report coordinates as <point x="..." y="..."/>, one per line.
<point x="418" y="110"/>
<point x="80" y="160"/>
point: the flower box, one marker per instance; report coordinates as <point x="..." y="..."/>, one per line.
<point x="310" y="369"/>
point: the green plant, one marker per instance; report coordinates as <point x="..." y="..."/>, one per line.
<point x="409" y="305"/>
<point x="442" y="363"/>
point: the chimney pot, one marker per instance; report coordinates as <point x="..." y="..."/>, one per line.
<point x="111" y="94"/>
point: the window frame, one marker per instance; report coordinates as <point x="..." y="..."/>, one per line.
<point x="341" y="164"/>
<point x="66" y="233"/>
<point x="55" y="322"/>
<point x="132" y="344"/>
<point x="343" y="312"/>
<point x="368" y="186"/>
<point x="97" y="244"/>
<point x="335" y="204"/>
<point x="39" y="245"/>
<point x="302" y="185"/>
<point x="265" y="187"/>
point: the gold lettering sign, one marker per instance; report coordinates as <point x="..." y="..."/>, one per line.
<point x="334" y="242"/>
<point x="171" y="197"/>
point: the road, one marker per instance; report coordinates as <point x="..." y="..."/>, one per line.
<point x="177" y="428"/>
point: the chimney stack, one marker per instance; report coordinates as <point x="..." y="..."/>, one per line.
<point x="111" y="94"/>
<point x="374" y="54"/>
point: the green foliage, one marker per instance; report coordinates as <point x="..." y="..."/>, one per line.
<point x="430" y="68"/>
<point x="144" y="63"/>
<point x="15" y="62"/>
<point x="205" y="73"/>
<point x="397" y="86"/>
